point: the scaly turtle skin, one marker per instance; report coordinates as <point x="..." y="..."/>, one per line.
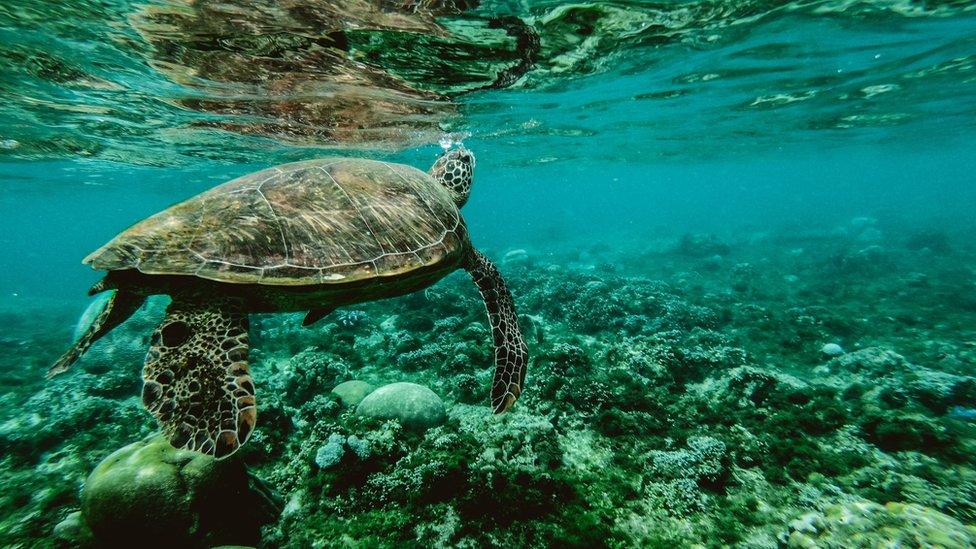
<point x="313" y="236"/>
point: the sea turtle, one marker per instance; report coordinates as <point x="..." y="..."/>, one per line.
<point x="311" y="235"/>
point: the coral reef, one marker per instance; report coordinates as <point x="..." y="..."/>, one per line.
<point x="804" y="391"/>
<point x="350" y="393"/>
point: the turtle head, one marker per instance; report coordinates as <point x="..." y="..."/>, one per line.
<point x="455" y="169"/>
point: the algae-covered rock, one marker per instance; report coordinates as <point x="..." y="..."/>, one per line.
<point x="415" y="406"/>
<point x="832" y="349"/>
<point x="868" y="524"/>
<point x="873" y="360"/>
<point x="73" y="530"/>
<point x="351" y="393"/>
<point x="701" y="460"/>
<point x="176" y="498"/>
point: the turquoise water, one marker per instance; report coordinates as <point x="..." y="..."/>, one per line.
<point x="688" y="201"/>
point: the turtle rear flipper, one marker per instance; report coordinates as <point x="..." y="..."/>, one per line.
<point x="511" y="354"/>
<point x="116" y="310"/>
<point x="196" y="379"/>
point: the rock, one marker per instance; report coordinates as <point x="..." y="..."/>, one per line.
<point x="176" y="498"/>
<point x="701" y="460"/>
<point x="832" y="349"/>
<point x="870" y="259"/>
<point x="351" y="393"/>
<point x="874" y="361"/>
<point x="712" y="263"/>
<point x="916" y="280"/>
<point x="516" y="256"/>
<point x="73" y="530"/>
<point x="415" y="406"/>
<point x="868" y="524"/>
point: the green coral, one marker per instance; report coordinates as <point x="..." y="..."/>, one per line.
<point x="193" y="499"/>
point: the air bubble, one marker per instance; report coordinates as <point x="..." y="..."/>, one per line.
<point x="449" y="140"/>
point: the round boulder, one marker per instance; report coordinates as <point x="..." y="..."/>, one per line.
<point x="73" y="531"/>
<point x="415" y="406"/>
<point x="351" y="393"/>
<point x="832" y="349"/>
<point x="176" y="498"/>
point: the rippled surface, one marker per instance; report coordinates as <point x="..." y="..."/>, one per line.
<point x="165" y="82"/>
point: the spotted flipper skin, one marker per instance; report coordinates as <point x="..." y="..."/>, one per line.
<point x="117" y="309"/>
<point x="196" y="379"/>
<point x="511" y="354"/>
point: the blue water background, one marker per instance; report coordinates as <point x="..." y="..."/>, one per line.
<point x="796" y="119"/>
<point x="54" y="213"/>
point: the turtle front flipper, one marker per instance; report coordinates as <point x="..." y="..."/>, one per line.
<point x="511" y="354"/>
<point x="116" y="310"/>
<point x="316" y="315"/>
<point x="196" y="379"/>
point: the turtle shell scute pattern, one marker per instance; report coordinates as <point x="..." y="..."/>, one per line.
<point x="315" y="222"/>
